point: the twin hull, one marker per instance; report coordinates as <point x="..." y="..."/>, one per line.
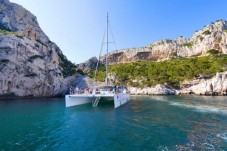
<point x="119" y="99"/>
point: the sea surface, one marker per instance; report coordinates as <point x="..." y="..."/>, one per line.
<point x="144" y="123"/>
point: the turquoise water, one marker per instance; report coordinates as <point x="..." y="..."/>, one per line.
<point x="144" y="123"/>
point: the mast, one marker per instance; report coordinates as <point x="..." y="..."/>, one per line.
<point x="107" y="49"/>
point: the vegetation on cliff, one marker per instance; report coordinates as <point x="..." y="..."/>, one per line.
<point x="8" y="32"/>
<point x="172" y="72"/>
<point x="68" y="68"/>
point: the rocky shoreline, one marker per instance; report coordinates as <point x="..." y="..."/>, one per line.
<point x="32" y="66"/>
<point x="214" y="86"/>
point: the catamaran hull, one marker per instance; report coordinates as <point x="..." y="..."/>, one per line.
<point x="120" y="99"/>
<point x="71" y="100"/>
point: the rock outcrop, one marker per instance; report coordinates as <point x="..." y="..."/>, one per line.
<point x="212" y="36"/>
<point x="30" y="64"/>
<point x="215" y="86"/>
<point x="89" y="65"/>
<point x="212" y="39"/>
<point x="83" y="81"/>
<point x="156" y="90"/>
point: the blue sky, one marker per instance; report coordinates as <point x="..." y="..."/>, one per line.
<point x="77" y="26"/>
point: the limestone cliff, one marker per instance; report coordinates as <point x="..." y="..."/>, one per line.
<point x="89" y="65"/>
<point x="214" y="86"/>
<point x="30" y="64"/>
<point x="212" y="36"/>
<point x="212" y="39"/>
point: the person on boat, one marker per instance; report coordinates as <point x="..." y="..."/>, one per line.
<point x="77" y="90"/>
<point x="114" y="89"/>
<point x="71" y="90"/>
<point x="90" y="90"/>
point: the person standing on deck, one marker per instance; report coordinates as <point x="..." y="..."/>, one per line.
<point x="71" y="90"/>
<point x="77" y="90"/>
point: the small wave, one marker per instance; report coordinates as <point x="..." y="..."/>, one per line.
<point x="209" y="146"/>
<point x="223" y="136"/>
<point x="204" y="108"/>
<point x="136" y="125"/>
<point x="162" y="148"/>
<point x="201" y="108"/>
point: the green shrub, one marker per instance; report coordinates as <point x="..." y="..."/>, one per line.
<point x="68" y="68"/>
<point x="213" y="52"/>
<point x="30" y="75"/>
<point x="10" y="33"/>
<point x="201" y="38"/>
<point x="172" y="72"/>
<point x="39" y="41"/>
<point x="206" y="32"/>
<point x="4" y="61"/>
<point x="80" y="72"/>
<point x="4" y="28"/>
<point x="37" y="45"/>
<point x="189" y="44"/>
<point x="32" y="58"/>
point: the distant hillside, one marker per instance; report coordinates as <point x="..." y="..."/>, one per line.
<point x="170" y="72"/>
<point x="212" y="36"/>
<point x="30" y="64"/>
<point x="178" y="64"/>
<point x="211" y="39"/>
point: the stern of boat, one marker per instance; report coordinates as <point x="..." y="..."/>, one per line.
<point x="120" y="99"/>
<point x="73" y="100"/>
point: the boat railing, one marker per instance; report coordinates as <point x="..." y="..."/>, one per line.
<point x="98" y="91"/>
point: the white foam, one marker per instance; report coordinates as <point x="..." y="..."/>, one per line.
<point x="223" y="136"/>
<point x="201" y="108"/>
<point x="196" y="106"/>
<point x="209" y="146"/>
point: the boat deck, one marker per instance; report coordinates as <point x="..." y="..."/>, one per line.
<point x="91" y="95"/>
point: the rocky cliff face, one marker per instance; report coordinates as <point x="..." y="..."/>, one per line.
<point x="212" y="36"/>
<point x="88" y="65"/>
<point x="30" y="64"/>
<point x="214" y="86"/>
<point x="211" y="39"/>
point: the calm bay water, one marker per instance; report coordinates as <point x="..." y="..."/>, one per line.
<point x="144" y="123"/>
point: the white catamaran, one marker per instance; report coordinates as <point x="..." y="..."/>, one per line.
<point x="118" y="95"/>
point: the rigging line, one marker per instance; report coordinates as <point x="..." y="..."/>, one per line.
<point x="113" y="37"/>
<point x="100" y="53"/>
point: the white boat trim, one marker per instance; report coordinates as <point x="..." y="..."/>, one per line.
<point x="79" y="99"/>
